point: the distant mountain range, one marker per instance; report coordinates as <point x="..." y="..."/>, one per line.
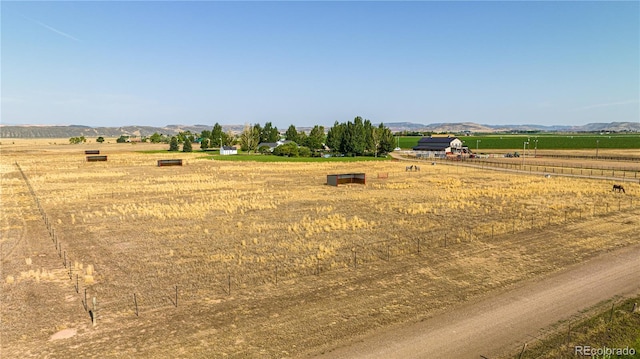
<point x="42" y="131"/>
<point x="462" y="127"/>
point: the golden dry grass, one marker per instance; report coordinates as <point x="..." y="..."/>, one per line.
<point x="128" y="227"/>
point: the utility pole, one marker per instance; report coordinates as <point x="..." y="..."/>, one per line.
<point x="524" y="148"/>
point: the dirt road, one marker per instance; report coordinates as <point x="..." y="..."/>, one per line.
<point x="494" y="326"/>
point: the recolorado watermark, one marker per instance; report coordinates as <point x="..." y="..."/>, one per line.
<point x="602" y="352"/>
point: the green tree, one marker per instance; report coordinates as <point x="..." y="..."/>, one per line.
<point x="257" y="130"/>
<point x="288" y="149"/>
<point x="185" y="136"/>
<point x="157" y="138"/>
<point x="173" y="144"/>
<point x="205" y="139"/>
<point x="187" y="147"/>
<point x="229" y="139"/>
<point x="122" y="139"/>
<point x="368" y="132"/>
<point x="205" y="142"/>
<point x="334" y="136"/>
<point x="353" y="139"/>
<point x="358" y="138"/>
<point x="316" y="138"/>
<point x="265" y="150"/>
<point x="302" y="138"/>
<point x="386" y="142"/>
<point x="217" y="136"/>
<point x="304" y="151"/>
<point x="249" y="138"/>
<point x="291" y="134"/>
<point x="269" y="133"/>
<point x="100" y="139"/>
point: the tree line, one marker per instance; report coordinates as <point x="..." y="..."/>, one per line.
<point x="352" y="138"/>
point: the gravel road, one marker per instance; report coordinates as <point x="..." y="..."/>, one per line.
<point x="495" y="326"/>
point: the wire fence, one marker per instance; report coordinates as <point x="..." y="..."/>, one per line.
<point x="622" y="173"/>
<point x="197" y="278"/>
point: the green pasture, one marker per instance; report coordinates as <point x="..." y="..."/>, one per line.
<point x="544" y="142"/>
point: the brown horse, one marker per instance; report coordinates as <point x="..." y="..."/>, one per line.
<point x="618" y="188"/>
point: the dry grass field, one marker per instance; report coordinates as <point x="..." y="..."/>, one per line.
<point x="268" y="261"/>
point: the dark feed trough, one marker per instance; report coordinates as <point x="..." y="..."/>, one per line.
<point x="96" y="158"/>
<point x="335" y="180"/>
<point x="163" y="163"/>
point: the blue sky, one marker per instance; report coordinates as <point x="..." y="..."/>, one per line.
<point x="306" y="63"/>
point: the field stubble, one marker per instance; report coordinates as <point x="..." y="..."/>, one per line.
<point x="268" y="259"/>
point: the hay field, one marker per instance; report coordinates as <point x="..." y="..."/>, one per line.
<point x="268" y="260"/>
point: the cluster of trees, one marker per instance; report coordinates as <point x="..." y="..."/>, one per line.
<point x="216" y="138"/>
<point x="174" y="144"/>
<point x="353" y="138"/>
<point x="314" y="141"/>
<point x="360" y="138"/>
<point x="77" y="140"/>
<point x="159" y="138"/>
<point x="252" y="136"/>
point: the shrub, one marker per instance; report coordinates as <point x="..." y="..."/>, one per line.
<point x="173" y="144"/>
<point x="290" y="150"/>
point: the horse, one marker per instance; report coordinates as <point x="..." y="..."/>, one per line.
<point x="619" y="188"/>
<point x="417" y="169"/>
<point x="408" y="168"/>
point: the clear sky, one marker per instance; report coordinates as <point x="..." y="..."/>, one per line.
<point x="306" y="63"/>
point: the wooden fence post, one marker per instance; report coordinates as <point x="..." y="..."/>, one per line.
<point x="524" y="347"/>
<point x="355" y="259"/>
<point x="611" y="315"/>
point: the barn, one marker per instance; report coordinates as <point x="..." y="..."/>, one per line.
<point x="438" y="146"/>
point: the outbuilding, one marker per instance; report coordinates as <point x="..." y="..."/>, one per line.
<point x="434" y="146"/>
<point x="228" y="150"/>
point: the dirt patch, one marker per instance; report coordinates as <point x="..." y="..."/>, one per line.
<point x="64" y="334"/>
